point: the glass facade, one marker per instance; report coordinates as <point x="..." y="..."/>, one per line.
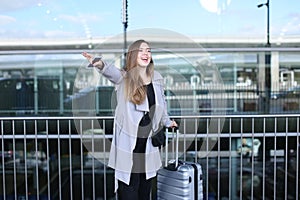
<point x="196" y="82"/>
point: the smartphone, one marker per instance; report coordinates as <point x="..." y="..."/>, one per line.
<point x="96" y="59"/>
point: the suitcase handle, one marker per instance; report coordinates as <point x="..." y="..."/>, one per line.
<point x="176" y="129"/>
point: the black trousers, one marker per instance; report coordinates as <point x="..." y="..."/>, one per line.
<point x="138" y="189"/>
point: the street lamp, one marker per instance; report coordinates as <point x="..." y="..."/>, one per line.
<point x="268" y="20"/>
<point x="125" y="23"/>
<point x="267" y="68"/>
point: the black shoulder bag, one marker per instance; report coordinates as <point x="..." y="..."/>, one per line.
<point x="159" y="137"/>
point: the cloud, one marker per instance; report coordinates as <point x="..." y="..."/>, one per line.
<point x="294" y="15"/>
<point x="59" y="33"/>
<point x="69" y="18"/>
<point x="250" y="29"/>
<point x="12" y="5"/>
<point x="292" y="27"/>
<point x="80" y="18"/>
<point x="6" y="20"/>
<point x="215" y="6"/>
<point x="29" y="34"/>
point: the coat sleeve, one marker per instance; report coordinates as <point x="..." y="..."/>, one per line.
<point x="165" y="118"/>
<point x="111" y="72"/>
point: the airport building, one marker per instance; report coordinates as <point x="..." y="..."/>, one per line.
<point x="237" y="102"/>
<point x="243" y="72"/>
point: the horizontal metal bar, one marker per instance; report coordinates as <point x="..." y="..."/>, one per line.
<point x="180" y="50"/>
<point x="211" y="116"/>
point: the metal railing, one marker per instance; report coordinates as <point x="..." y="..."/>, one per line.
<point x="242" y="156"/>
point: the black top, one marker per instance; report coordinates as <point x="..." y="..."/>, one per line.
<point x="151" y="101"/>
<point x="151" y="96"/>
<point x="145" y="123"/>
<point x="144" y="130"/>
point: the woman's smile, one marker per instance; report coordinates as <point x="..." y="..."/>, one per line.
<point x="144" y="55"/>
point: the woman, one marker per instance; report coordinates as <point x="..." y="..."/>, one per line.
<point x="140" y="111"/>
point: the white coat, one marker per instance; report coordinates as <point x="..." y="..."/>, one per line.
<point x="126" y="122"/>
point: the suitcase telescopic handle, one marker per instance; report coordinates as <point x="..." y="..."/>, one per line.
<point x="176" y="129"/>
<point x="176" y="148"/>
<point x="166" y="147"/>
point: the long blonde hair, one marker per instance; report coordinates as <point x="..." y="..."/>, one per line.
<point x="134" y="89"/>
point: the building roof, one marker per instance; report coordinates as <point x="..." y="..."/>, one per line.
<point x="160" y="41"/>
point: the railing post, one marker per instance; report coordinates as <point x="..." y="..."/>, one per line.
<point x="234" y="171"/>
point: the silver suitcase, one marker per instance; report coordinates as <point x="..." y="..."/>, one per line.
<point x="179" y="179"/>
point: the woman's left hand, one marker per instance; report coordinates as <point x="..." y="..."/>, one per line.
<point x="88" y="56"/>
<point x="96" y="63"/>
<point x="173" y="124"/>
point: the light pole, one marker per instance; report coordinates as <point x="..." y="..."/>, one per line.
<point x="267" y="68"/>
<point x="268" y="20"/>
<point x="125" y="23"/>
<point x="267" y="80"/>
